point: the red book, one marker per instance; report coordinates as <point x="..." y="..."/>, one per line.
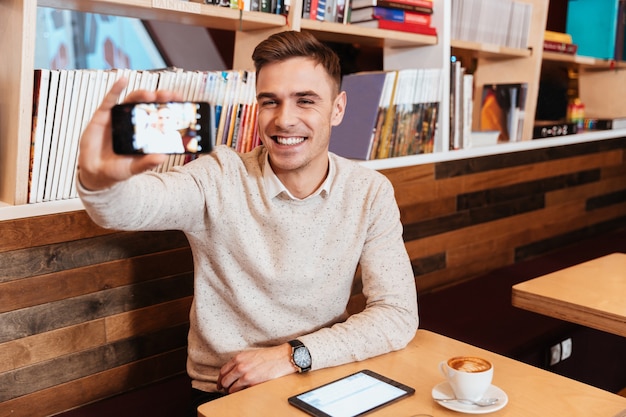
<point x="561" y="47"/>
<point x="407" y="27"/>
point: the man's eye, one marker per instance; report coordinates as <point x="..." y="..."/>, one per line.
<point x="266" y="103"/>
<point x="305" y="101"/>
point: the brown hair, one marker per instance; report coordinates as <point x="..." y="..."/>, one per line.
<point x="290" y="44"/>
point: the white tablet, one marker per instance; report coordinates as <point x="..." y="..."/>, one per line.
<point x="352" y="395"/>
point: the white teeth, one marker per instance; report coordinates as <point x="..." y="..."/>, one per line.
<point x="289" y="141"/>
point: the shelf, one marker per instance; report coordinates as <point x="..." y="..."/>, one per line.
<point x="483" y="50"/>
<point x="501" y="148"/>
<point x="328" y="31"/>
<point x="8" y="212"/>
<point x="175" y="11"/>
<point x="589" y="63"/>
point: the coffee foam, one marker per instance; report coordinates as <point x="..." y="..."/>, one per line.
<point x="469" y="364"/>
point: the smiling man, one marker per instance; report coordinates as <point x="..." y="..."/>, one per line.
<point x="277" y="233"/>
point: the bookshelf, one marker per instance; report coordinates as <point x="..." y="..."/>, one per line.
<point x="400" y="50"/>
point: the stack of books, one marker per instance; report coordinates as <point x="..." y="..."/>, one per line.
<point x="403" y="15"/>
<point x="265" y="6"/>
<point x="461" y="105"/>
<point x="389" y="114"/>
<point x="559" y="42"/>
<point x="65" y="100"/>
<point x="496" y="22"/>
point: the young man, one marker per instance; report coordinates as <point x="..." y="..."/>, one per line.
<point x="276" y="233"/>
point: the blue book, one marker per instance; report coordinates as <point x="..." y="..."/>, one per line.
<point x="376" y="12"/>
<point x="596" y="27"/>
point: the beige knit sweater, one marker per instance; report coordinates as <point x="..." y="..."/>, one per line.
<point x="269" y="268"/>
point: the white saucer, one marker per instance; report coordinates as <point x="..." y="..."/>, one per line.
<point x="443" y="390"/>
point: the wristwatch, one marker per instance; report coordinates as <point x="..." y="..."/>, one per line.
<point x="300" y="356"/>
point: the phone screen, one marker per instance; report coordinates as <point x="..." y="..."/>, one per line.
<point x="165" y="128"/>
<point x="353" y="395"/>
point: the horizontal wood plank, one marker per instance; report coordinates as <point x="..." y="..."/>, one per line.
<point x="51" y="316"/>
<point x="47" y="230"/>
<point x="29" y="379"/>
<point x="46" y="259"/>
<point x="68" y="395"/>
<point x="49" y="345"/>
<point x="148" y="319"/>
<point x="27" y="292"/>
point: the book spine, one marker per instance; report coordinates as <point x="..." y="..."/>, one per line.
<point x="321" y="10"/>
<point x="265" y="6"/>
<point x="313" y="14"/>
<point x="397" y="15"/>
<point x="306" y="9"/>
<point x="417" y="18"/>
<point x="407" y="27"/>
<point x="560" y="47"/>
<point x="597" y="124"/>
<point x="557" y="36"/>
<point x="405" y="5"/>
<point x="553" y="130"/>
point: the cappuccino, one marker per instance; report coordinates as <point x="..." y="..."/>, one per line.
<point x="469" y="364"/>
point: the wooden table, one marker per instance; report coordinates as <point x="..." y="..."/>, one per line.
<point x="532" y="392"/>
<point x="592" y="293"/>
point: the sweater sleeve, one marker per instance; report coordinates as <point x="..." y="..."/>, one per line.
<point x="390" y="318"/>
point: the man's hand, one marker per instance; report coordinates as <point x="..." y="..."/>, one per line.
<point x="255" y="366"/>
<point x="99" y="166"/>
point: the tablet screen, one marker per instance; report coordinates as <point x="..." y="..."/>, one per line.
<point x="350" y="396"/>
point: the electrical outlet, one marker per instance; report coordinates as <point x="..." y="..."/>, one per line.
<point x="555" y="354"/>
<point x="566" y="348"/>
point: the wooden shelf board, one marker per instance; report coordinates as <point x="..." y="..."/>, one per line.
<point x="190" y="13"/>
<point x="366" y="36"/>
<point x="587" y="62"/>
<point x="491" y="51"/>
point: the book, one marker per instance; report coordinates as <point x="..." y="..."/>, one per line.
<point x="596" y="123"/>
<point x="484" y="138"/>
<point x="397" y="15"/>
<point x="552" y="128"/>
<point x="456" y="98"/>
<point x="66" y="81"/>
<point x="353" y="137"/>
<point x="40" y="103"/>
<point x="423" y="6"/>
<point x="502" y="109"/>
<point x="550" y="35"/>
<point x="55" y="76"/>
<point x="605" y="18"/>
<point x="497" y="22"/>
<point x="560" y="47"/>
<point x="399" y="26"/>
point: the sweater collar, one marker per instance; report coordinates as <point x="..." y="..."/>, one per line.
<point x="275" y="187"/>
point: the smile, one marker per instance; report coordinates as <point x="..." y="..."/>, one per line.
<point x="289" y="140"/>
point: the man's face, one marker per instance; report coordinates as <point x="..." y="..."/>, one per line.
<point x="297" y="108"/>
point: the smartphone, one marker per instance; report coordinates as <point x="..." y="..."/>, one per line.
<point x="166" y="128"/>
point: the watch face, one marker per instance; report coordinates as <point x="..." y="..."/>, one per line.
<point x="302" y="357"/>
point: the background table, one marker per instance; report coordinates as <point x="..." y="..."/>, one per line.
<point x="532" y="392"/>
<point x="592" y="293"/>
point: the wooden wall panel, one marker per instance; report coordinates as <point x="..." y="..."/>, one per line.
<point x="86" y="313"/>
<point x="507" y="207"/>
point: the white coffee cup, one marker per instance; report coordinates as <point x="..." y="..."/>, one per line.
<point x="468" y="376"/>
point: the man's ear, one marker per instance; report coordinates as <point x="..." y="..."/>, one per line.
<point x="339" y="108"/>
